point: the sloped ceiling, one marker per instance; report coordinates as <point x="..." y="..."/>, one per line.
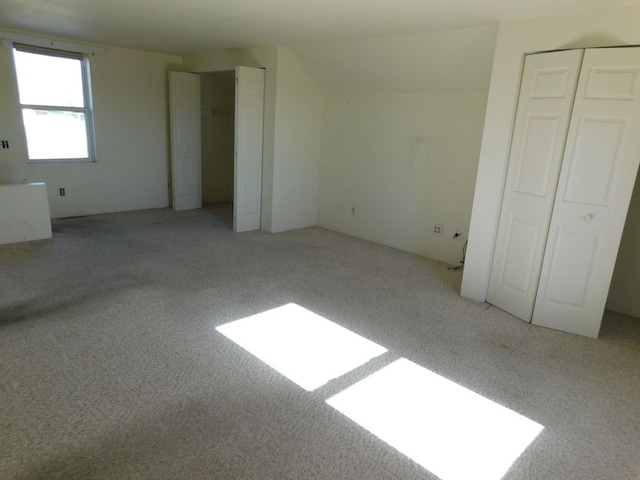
<point x="191" y="26"/>
<point x="399" y="46"/>
<point x="443" y="61"/>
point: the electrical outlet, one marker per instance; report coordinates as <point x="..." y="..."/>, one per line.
<point x="62" y="192"/>
<point x="353" y="210"/>
<point x="437" y="230"/>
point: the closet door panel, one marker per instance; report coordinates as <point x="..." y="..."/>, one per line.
<point x="596" y="181"/>
<point x="247" y="200"/>
<point x="186" y="162"/>
<point x="590" y="179"/>
<point x="540" y="129"/>
<point x="570" y="267"/>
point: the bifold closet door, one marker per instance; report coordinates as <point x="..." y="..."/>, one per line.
<point x="184" y="121"/>
<point x="247" y="195"/>
<point x="596" y="181"/>
<point x="542" y="120"/>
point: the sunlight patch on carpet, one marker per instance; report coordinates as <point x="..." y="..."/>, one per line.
<point x="306" y="348"/>
<point x="448" y="429"/>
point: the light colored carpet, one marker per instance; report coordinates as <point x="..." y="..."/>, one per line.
<point x="111" y="365"/>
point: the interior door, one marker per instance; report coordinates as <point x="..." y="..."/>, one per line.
<point x="184" y="115"/>
<point x="542" y="120"/>
<point x="596" y="181"/>
<point x="248" y="149"/>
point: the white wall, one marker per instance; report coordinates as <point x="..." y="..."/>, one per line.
<point x="402" y="127"/>
<point x="131" y="129"/>
<point x="404" y="162"/>
<point x="297" y="143"/>
<point x="606" y="27"/>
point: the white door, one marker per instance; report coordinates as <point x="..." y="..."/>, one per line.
<point x="184" y="114"/>
<point x="540" y="129"/>
<point x="596" y="181"/>
<point x="248" y="149"/>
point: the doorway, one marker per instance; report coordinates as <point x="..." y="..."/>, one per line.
<point x="217" y="130"/>
<point x="185" y="114"/>
<point x="623" y="303"/>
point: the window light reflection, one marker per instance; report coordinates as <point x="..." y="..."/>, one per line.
<point x="446" y="428"/>
<point x="303" y="346"/>
<point x="449" y="430"/>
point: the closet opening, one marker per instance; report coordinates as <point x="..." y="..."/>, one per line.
<point x="217" y="109"/>
<point x="623" y="301"/>
<point x="233" y="110"/>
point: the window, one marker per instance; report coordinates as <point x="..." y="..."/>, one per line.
<point x="55" y="98"/>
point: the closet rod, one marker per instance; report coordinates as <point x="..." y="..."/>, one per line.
<point x="217" y="113"/>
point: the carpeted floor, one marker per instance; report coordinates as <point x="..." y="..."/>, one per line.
<point x="111" y="365"/>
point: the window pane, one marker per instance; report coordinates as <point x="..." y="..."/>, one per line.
<point x="48" y="80"/>
<point x="52" y="134"/>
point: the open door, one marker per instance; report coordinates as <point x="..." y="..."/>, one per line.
<point x="248" y="148"/>
<point x="184" y="117"/>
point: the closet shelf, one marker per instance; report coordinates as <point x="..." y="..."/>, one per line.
<point x="216" y="113"/>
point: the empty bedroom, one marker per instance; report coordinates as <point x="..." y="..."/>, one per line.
<point x="332" y="240"/>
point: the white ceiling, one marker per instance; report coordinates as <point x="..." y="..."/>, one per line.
<point x="190" y="26"/>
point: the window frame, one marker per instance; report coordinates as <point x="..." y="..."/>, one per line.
<point x="87" y="110"/>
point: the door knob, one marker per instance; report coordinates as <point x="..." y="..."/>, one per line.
<point x="588" y="217"/>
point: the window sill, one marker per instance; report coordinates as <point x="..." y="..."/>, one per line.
<point x="61" y="160"/>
